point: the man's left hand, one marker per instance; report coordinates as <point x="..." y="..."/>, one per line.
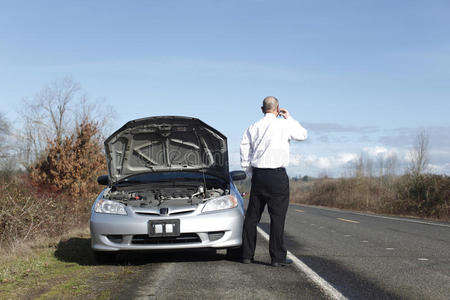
<point x="284" y="112"/>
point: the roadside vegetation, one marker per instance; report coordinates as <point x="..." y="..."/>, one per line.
<point x="62" y="268"/>
<point x="414" y="193"/>
<point x="424" y="195"/>
<point x="378" y="187"/>
<point x="48" y="180"/>
<point x="48" y="170"/>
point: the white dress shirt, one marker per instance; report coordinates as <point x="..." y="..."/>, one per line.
<point x="265" y="144"/>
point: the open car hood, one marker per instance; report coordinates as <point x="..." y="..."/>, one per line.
<point x="169" y="143"/>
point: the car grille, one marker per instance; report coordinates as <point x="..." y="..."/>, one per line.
<point x="183" y="238"/>
<point x="181" y="212"/>
<point x="148" y="213"/>
<point x="151" y="213"/>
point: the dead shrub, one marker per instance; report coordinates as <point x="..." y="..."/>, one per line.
<point x="27" y="212"/>
<point x="73" y="163"/>
<point x="426" y="194"/>
<point x="57" y="193"/>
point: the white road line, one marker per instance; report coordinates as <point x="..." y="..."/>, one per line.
<point x="390" y="249"/>
<point x="422" y="259"/>
<point x="375" y="216"/>
<point x="326" y="287"/>
<point x="404" y="220"/>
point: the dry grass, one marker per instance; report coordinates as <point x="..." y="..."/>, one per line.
<point x="424" y="195"/>
<point x="60" y="268"/>
<point x="28" y="212"/>
<point x="25" y="251"/>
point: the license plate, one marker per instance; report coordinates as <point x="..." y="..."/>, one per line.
<point x="164" y="228"/>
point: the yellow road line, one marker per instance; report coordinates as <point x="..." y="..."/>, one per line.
<point x="299" y="210"/>
<point x="346" y="220"/>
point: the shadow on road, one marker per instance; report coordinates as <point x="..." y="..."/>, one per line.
<point x="78" y="250"/>
<point x="352" y="285"/>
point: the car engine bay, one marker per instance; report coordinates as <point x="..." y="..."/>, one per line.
<point x="155" y="196"/>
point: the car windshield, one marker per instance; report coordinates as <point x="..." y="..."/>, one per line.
<point x="167" y="177"/>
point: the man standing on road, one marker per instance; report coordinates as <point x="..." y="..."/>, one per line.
<point x="265" y="154"/>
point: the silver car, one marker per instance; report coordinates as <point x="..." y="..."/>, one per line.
<point x="168" y="187"/>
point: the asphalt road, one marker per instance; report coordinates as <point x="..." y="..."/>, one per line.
<point x="362" y="256"/>
<point x="371" y="257"/>
<point x="210" y="275"/>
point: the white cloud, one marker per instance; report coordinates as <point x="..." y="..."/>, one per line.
<point x="439" y="169"/>
<point x="322" y="162"/>
<point x="375" y="151"/>
<point x="383" y="152"/>
<point x="339" y="163"/>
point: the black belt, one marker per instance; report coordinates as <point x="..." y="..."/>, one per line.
<point x="267" y="169"/>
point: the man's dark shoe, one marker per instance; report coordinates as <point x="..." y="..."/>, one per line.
<point x="286" y="262"/>
<point x="247" y="260"/>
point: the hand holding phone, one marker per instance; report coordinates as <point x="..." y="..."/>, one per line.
<point x="283" y="112"/>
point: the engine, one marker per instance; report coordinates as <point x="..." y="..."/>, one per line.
<point x="173" y="196"/>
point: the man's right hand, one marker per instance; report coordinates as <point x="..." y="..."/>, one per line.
<point x="284" y="113"/>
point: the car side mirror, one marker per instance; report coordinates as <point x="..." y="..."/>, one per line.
<point x="103" y="180"/>
<point x="238" y="175"/>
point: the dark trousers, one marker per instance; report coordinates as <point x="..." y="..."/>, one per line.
<point x="271" y="187"/>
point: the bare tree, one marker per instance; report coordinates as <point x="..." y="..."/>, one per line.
<point x="96" y="111"/>
<point x="419" y="154"/>
<point x="387" y="165"/>
<point x="391" y="165"/>
<point x="368" y="168"/>
<point x="359" y="166"/>
<point x="381" y="163"/>
<point x="4" y="133"/>
<point x="46" y="117"/>
<point x="4" y="129"/>
<point x="54" y="113"/>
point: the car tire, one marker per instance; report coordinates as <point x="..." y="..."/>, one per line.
<point x="104" y="257"/>
<point x="234" y="253"/>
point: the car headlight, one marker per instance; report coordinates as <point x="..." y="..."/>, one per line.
<point x="224" y="202"/>
<point x="109" y="207"/>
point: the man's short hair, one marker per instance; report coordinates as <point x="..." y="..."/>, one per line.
<point x="269" y="103"/>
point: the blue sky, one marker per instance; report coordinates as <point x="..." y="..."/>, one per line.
<point x="361" y="76"/>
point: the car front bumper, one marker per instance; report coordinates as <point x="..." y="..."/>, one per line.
<point x="217" y="229"/>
